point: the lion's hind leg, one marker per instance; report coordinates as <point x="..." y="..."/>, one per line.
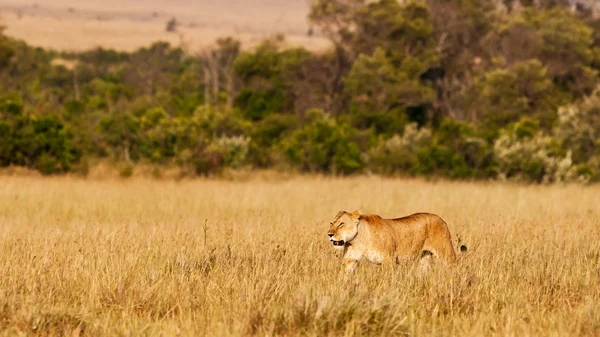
<point x="441" y="249"/>
<point x="424" y="264"/>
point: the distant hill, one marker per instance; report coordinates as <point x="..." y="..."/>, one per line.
<point x="129" y="24"/>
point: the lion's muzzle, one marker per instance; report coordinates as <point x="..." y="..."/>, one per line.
<point x="338" y="243"/>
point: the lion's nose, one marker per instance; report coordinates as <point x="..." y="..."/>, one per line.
<point x="330" y="235"/>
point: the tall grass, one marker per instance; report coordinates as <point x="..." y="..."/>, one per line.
<point x="224" y="258"/>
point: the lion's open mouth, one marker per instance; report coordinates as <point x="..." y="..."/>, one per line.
<point x="338" y="243"/>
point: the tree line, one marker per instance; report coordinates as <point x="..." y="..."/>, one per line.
<point x="461" y="89"/>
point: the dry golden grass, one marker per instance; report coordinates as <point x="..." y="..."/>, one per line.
<point x="74" y="25"/>
<point x="227" y="258"/>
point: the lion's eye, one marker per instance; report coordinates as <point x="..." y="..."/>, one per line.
<point x="341" y="224"/>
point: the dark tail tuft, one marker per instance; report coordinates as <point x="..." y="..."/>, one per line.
<point x="463" y="248"/>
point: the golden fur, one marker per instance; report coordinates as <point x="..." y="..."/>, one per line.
<point x="380" y="240"/>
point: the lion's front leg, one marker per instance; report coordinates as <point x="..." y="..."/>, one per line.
<point x="351" y="265"/>
<point x="351" y="258"/>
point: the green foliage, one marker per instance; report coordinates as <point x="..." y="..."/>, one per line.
<point x="525" y="128"/>
<point x="558" y="40"/>
<point x="564" y="43"/>
<point x="578" y="131"/>
<point x="531" y="158"/>
<point x="266" y="136"/>
<point x="267" y="75"/>
<point x="232" y="150"/>
<point x="579" y="128"/>
<point x="459" y="153"/>
<point x="323" y="146"/>
<point x="401" y="154"/>
<point x="461" y="89"/>
<point x="451" y="151"/>
<point x="381" y="93"/>
<point x="404" y="32"/>
<point x="6" y="52"/>
<point x="39" y="142"/>
<point x="127" y="171"/>
<point x="524" y="89"/>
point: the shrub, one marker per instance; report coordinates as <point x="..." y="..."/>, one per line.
<point x="524" y="89"/>
<point x="578" y="128"/>
<point x="534" y="158"/>
<point x="458" y="152"/>
<point x="266" y="77"/>
<point x="400" y="154"/>
<point x="380" y="94"/>
<point x="450" y="151"/>
<point x="266" y="135"/>
<point x="220" y="122"/>
<point x="126" y="171"/>
<point x="323" y="146"/>
<point x="39" y="142"/>
<point x="590" y="170"/>
<point x="233" y="150"/>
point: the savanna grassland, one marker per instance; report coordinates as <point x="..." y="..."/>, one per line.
<point x="237" y="258"/>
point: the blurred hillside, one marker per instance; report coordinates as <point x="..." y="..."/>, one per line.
<point x="462" y="89"/>
<point x="131" y="24"/>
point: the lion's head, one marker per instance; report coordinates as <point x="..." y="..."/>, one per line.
<point x="344" y="228"/>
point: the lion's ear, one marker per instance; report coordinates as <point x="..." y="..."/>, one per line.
<point x="355" y="216"/>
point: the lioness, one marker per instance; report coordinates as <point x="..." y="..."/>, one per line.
<point x="390" y="240"/>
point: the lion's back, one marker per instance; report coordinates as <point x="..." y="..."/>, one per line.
<point x="410" y="234"/>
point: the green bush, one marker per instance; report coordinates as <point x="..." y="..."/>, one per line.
<point x="323" y="146"/>
<point x="266" y="135"/>
<point x="267" y="76"/>
<point x="534" y="158"/>
<point x="591" y="170"/>
<point x="401" y="154"/>
<point x="127" y="171"/>
<point x="503" y="96"/>
<point x="380" y="94"/>
<point x="39" y="142"/>
<point x="459" y="153"/>
<point x="578" y="129"/>
<point x="232" y="150"/>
